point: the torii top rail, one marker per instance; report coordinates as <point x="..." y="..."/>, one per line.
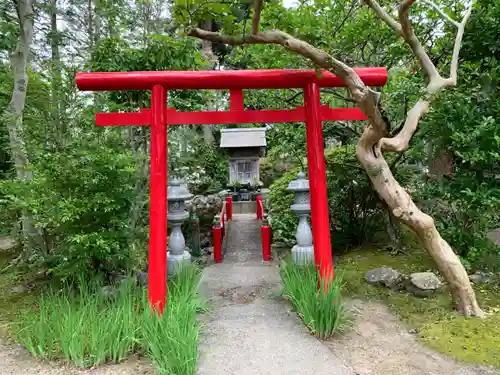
<point x="159" y="116"/>
<point x="221" y="79"/>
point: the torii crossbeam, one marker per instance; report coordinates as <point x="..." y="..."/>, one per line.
<point x="159" y="116"/>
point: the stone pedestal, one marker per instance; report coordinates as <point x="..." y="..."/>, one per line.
<point x="177" y="253"/>
<point x="303" y="251"/>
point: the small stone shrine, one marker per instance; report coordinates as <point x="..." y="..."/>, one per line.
<point x="245" y="147"/>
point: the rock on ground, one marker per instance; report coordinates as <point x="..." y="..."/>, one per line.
<point x="385" y="276"/>
<point x="205" y="205"/>
<point x="7" y="243"/>
<point x="494" y="235"/>
<point x="19" y="289"/>
<point x="483" y="277"/>
<point x="423" y="284"/>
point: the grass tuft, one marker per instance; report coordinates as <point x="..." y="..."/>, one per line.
<point x="88" y="329"/>
<point x="171" y="340"/>
<point x="321" y="309"/>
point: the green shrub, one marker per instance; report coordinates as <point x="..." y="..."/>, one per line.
<point x="353" y="205"/>
<point x="354" y="208"/>
<point x="271" y="169"/>
<point x="322" y="310"/>
<point x="171" y="340"/>
<point x="465" y="210"/>
<point x="282" y="219"/>
<point x="81" y="200"/>
<point x="88" y="329"/>
<point x="464" y="123"/>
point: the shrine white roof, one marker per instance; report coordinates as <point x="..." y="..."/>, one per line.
<point x="243" y="137"/>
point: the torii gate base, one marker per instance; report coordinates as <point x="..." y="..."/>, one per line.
<point x="159" y="116"/>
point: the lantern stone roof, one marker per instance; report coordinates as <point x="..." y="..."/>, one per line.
<point x="243" y="137"/>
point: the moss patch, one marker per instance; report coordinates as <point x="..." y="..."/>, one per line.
<point x="471" y="340"/>
<point x="12" y="305"/>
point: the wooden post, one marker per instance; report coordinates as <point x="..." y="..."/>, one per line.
<point x="258" y="202"/>
<point x="265" y="231"/>
<point x="217" y="239"/>
<point x="229" y="207"/>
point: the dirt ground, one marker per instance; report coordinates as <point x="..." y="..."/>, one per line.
<point x="14" y="360"/>
<point x="378" y="344"/>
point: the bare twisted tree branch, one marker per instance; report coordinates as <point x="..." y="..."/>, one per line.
<point x="366" y="98"/>
<point x="442" y="13"/>
<point x="403" y="28"/>
<point x="384" y="16"/>
<point x="415" y="45"/>
<point x="400" y="142"/>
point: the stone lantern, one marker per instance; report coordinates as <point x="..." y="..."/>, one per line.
<point x="177" y="252"/>
<point x="303" y="251"/>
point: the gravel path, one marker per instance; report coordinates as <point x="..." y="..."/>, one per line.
<point x="249" y="332"/>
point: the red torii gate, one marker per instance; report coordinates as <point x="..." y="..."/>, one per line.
<point x="159" y="116"/>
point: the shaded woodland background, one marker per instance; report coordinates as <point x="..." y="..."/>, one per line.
<point x="77" y="195"/>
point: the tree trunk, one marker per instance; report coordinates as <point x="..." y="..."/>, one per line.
<point x="207" y="51"/>
<point x="97" y="21"/>
<point x="15" y="115"/>
<point x="90" y="25"/>
<point x="441" y="165"/>
<point x="14" y="112"/>
<point x="94" y="27"/>
<point x="391" y="232"/>
<point x="402" y="207"/>
<point x="56" y="67"/>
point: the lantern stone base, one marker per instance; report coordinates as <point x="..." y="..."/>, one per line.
<point x="175" y="262"/>
<point x="303" y="255"/>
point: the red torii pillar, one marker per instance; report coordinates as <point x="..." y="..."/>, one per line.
<point x="317" y="183"/>
<point x="157" y="259"/>
<point x="313" y="113"/>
